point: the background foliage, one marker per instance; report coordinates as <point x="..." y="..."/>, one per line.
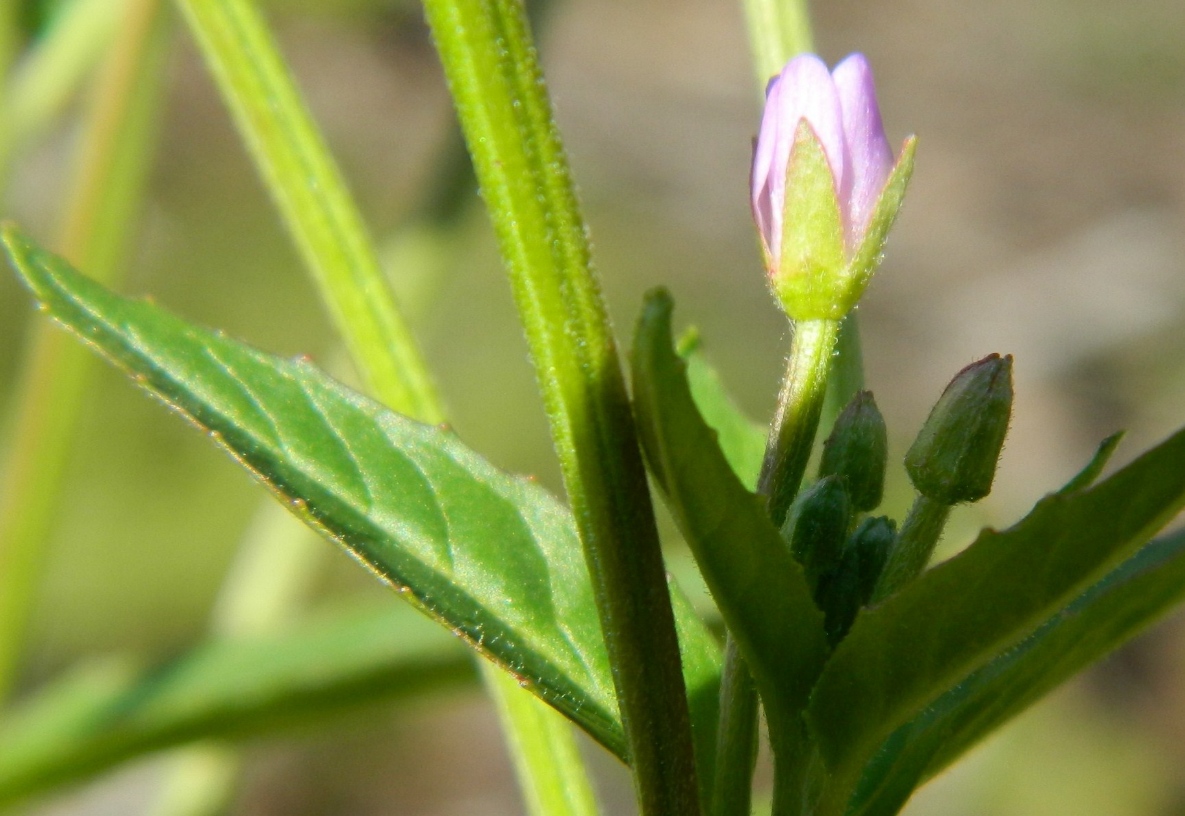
<point x="1043" y="221"/>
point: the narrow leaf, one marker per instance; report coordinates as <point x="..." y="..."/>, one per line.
<point x="903" y="654"/>
<point x="493" y="557"/>
<point x="1115" y="610"/>
<point x="759" y="587"/>
<point x="337" y="662"/>
<point x="1086" y="477"/>
<point x="741" y="440"/>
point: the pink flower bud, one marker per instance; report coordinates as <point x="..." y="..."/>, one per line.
<point x="840" y="109"/>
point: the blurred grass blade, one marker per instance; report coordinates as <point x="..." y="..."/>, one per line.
<point x="229" y="689"/>
<point x="501" y="100"/>
<point x="983" y="602"/>
<point x="1110" y="613"/>
<point x="328" y="230"/>
<point x="115" y="154"/>
<point x="741" y="440"/>
<point x="312" y="198"/>
<point x="547" y="759"/>
<point x="759" y="587"/>
<point x="43" y="81"/>
<point x="493" y="557"/>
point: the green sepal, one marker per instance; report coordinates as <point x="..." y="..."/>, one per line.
<point x="868" y="257"/>
<point x="809" y="281"/>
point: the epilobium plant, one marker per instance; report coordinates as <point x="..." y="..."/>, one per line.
<point x="874" y="672"/>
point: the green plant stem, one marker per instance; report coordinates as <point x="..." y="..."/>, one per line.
<point x="38" y="88"/>
<point x="113" y="163"/>
<point x="778" y="29"/>
<point x="914" y="545"/>
<point x="497" y="86"/>
<point x="736" y="739"/>
<point x="847" y="374"/>
<point x="796" y="422"/>
<point x="325" y="224"/>
<point x="787" y="454"/>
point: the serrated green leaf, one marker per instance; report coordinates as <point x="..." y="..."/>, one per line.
<point x="957" y="617"/>
<point x="741" y="440"/>
<point x="493" y="557"/>
<point x="106" y="713"/>
<point x="1110" y="613"/>
<point x="759" y="587"/>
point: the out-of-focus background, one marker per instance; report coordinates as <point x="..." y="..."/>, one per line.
<point x="1046" y="219"/>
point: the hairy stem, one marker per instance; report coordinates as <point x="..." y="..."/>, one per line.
<point x="913" y="547"/>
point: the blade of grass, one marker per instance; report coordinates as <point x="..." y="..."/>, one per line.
<point x="335" y="662"/>
<point x="326" y="226"/>
<point x="497" y="86"/>
<point x="313" y="200"/>
<point x="113" y="162"/>
<point x="40" y="84"/>
<point x="262" y="593"/>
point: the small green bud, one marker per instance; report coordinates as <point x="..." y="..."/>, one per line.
<point x="817" y="525"/>
<point x="857" y="450"/>
<point x="869" y="547"/>
<point x="954" y="457"/>
<point x="841" y="592"/>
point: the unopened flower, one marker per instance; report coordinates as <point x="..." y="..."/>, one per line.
<point x="954" y="457"/>
<point x="825" y="185"/>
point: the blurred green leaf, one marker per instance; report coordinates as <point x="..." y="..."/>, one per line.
<point x="906" y="653"/>
<point x="491" y="556"/>
<point x="1110" y="613"/>
<point x="109" y="712"/>
<point x="759" y="587"/>
<point x="50" y="73"/>
<point x="741" y="440"/>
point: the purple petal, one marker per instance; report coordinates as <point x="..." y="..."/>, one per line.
<point x="870" y="154"/>
<point x="804" y="90"/>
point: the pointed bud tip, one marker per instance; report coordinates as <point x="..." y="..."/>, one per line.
<point x="857" y="451"/>
<point x="817" y="524"/>
<point x="954" y="458"/>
